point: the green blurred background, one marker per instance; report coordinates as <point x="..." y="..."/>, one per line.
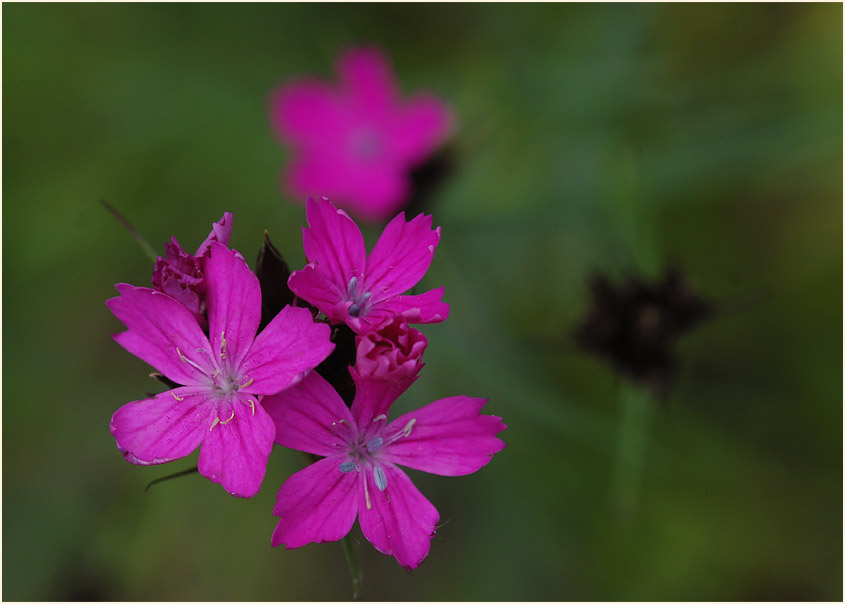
<point x="593" y="137"/>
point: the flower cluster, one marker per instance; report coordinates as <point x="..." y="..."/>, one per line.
<point x="241" y="383"/>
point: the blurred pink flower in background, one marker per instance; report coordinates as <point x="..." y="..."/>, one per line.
<point x="357" y="142"/>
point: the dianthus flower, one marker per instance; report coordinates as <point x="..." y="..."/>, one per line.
<point x="359" y="476"/>
<point x="357" y="142"/>
<point x="224" y="375"/>
<point x="179" y="274"/>
<point x="365" y="291"/>
<point x="393" y="353"/>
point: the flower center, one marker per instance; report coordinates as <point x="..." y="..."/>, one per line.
<point x="366" y="144"/>
<point x="223" y="378"/>
<point x="360" y="300"/>
<point x="363" y="452"/>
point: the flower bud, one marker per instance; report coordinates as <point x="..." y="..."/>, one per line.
<point x="392" y="353"/>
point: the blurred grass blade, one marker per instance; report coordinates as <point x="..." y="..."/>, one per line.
<point x="148" y="249"/>
<point x="352" y="561"/>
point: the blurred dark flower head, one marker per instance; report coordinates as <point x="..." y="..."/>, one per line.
<point x="634" y="325"/>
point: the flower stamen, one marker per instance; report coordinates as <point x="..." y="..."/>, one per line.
<point x="188" y="361"/>
<point x="380" y="478"/>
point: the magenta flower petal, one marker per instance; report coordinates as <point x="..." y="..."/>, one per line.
<point x="373" y="397"/>
<point x="235" y="450"/>
<point x="221" y="231"/>
<point x="312" y="285"/>
<point x="306" y="416"/>
<point x="168" y="426"/>
<point x="161" y="331"/>
<point x="291" y="345"/>
<point x="419" y="127"/>
<point x="422" y="308"/>
<point x="368" y="80"/>
<point x="234" y="302"/>
<point x="333" y="242"/>
<point x="306" y="112"/>
<point x="449" y="437"/>
<point x="401" y="256"/>
<point x="398" y="520"/>
<point x="319" y="503"/>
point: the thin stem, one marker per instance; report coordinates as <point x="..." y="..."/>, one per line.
<point x="148" y="249"/>
<point x="636" y="408"/>
<point x="352" y="562"/>
<point x="169" y="476"/>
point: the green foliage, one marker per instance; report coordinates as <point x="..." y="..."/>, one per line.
<point x="608" y="137"/>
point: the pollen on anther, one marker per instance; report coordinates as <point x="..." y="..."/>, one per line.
<point x="347" y="466"/>
<point x="380" y="478"/>
<point x="406" y="431"/>
<point x="375" y="443"/>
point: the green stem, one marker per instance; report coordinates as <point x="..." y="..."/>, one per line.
<point x="352" y="562"/>
<point x="148" y="249"/>
<point x="637" y="407"/>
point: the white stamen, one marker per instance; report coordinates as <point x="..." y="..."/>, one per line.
<point x="188" y="361"/>
<point x="406" y="431"/>
<point x="367" y="494"/>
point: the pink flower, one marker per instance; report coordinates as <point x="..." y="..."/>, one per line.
<point x="357" y="142"/>
<point x="393" y="353"/>
<point x="359" y="476"/>
<point x="361" y="291"/>
<point x="224" y="375"/>
<point x="179" y="274"/>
